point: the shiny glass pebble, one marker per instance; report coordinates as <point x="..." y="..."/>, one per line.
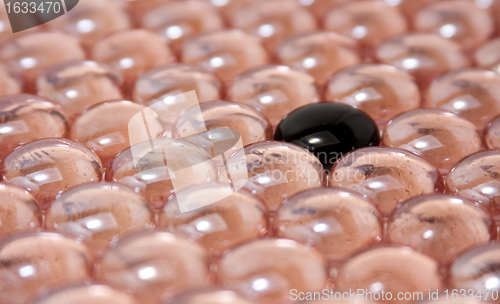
<point x="10" y="82"/>
<point x="488" y="55"/>
<point x="85" y="294"/>
<point x="492" y="134"/>
<point x="210" y="295"/>
<point x="19" y="211"/>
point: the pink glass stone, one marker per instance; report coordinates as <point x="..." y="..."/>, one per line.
<point x="425" y="56"/>
<point x="320" y="7"/>
<point x="471" y="93"/>
<point x="10" y="83"/>
<point x="492" y="134"/>
<point x="336" y="222"/>
<point x="85" y="294"/>
<point x="209" y="295"/>
<point x="440" y="137"/>
<point x="274" y="90"/>
<point x="18" y="210"/>
<point x="410" y="7"/>
<point x="99" y="213"/>
<point x="137" y="8"/>
<point x="48" y="167"/>
<point x="477" y="178"/>
<point x="273" y="20"/>
<point x="104" y="128"/>
<point x="34" y="52"/>
<point x="76" y="86"/>
<point x="390" y="269"/>
<point x="226" y="53"/>
<point x="386" y="176"/>
<point x="91" y="21"/>
<point x="440" y="226"/>
<point x="380" y="90"/>
<point x="133" y="53"/>
<point x="178" y="21"/>
<point x="152" y="265"/>
<point x="488" y="56"/>
<point x="266" y="270"/>
<point x="237" y="218"/>
<point x="461" y="21"/>
<point x="36" y="262"/>
<point x="369" y="22"/>
<point x="25" y="118"/>
<point x="277" y="170"/>
<point x="319" y="54"/>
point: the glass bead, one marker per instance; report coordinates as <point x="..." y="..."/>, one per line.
<point x="386" y="176"/>
<point x="492" y="134"/>
<point x="138" y="8"/>
<point x="85" y="294"/>
<point x="337" y="222"/>
<point x="10" y="82"/>
<point x="209" y="295"/>
<point x="18" y="210"/>
<point x="320" y="7"/>
<point x="488" y="55"/>
<point x="48" y="167"/>
<point x="409" y="7"/>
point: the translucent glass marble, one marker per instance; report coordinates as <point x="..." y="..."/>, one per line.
<point x="260" y="271"/>
<point x="226" y="53"/>
<point x="153" y="264"/>
<point x="440" y="226"/>
<point x="137" y="8"/>
<point x="78" y="85"/>
<point x="386" y="176"/>
<point x="409" y="7"/>
<point x="277" y="170"/>
<point x="18" y="210"/>
<point x="99" y="213"/>
<point x="488" y="55"/>
<point x="470" y="93"/>
<point x="477" y="177"/>
<point x="273" y="20"/>
<point x="462" y="21"/>
<point x="390" y="269"/>
<point x="425" y="56"/>
<point x="133" y="53"/>
<point x="85" y="294"/>
<point x="320" y="7"/>
<point x="320" y="54"/>
<point x="34" y="52"/>
<point x="382" y="91"/>
<point x="25" y="118"/>
<point x="274" y="90"/>
<point x="10" y="82"/>
<point x="336" y="222"/>
<point x="48" y="167"/>
<point x="104" y="128"/>
<point x="441" y="137"/>
<point x="178" y="21"/>
<point x="209" y="295"/>
<point x="492" y="134"/>
<point x="237" y="218"/>
<point x="36" y="262"/>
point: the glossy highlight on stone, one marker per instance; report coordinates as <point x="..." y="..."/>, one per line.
<point x="85" y="294"/>
<point x="48" y="167"/>
<point x="209" y="295"/>
<point x="336" y="222"/>
<point x="386" y="176"/>
<point x="492" y="134"/>
<point x="18" y="210"/>
<point x="328" y="130"/>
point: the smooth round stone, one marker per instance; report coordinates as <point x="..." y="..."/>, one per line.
<point x="78" y="85"/>
<point x="260" y="271"/>
<point x="441" y="137"/>
<point x="26" y="118"/>
<point x="36" y="262"/>
<point x="328" y="130"/>
<point x="226" y="53"/>
<point x="85" y="294"/>
<point x="382" y="91"/>
<point x="337" y="222"/>
<point x="277" y="170"/>
<point x="104" y="128"/>
<point x="320" y="7"/>
<point x="149" y="176"/>
<point x="34" y="52"/>
<point x="386" y="176"/>
<point x="137" y="8"/>
<point x="10" y="82"/>
<point x="178" y="21"/>
<point x="132" y="53"/>
<point x="461" y="21"/>
<point x="425" y="56"/>
<point x="153" y="264"/>
<point x="409" y="7"/>
<point x="470" y="93"/>
<point x="319" y="54"/>
<point x="90" y="21"/>
<point x="492" y="134"/>
<point x="237" y="217"/>
<point x="488" y="55"/>
<point x="477" y="177"/>
<point x="99" y="213"/>
<point x="274" y="90"/>
<point x="273" y="20"/>
<point x="48" y="167"/>
<point x="209" y="295"/>
<point x="390" y="269"/>
<point x="18" y="210"/>
<point x="440" y="226"/>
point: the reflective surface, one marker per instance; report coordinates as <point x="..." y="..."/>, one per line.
<point x="492" y="134"/>
<point x="18" y="210"/>
<point x="320" y="7"/>
<point x="86" y="294"/>
<point x="209" y="295"/>
<point x="488" y="55"/>
<point x="10" y="82"/>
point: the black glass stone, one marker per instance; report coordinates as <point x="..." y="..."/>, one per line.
<point x="328" y="130"/>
